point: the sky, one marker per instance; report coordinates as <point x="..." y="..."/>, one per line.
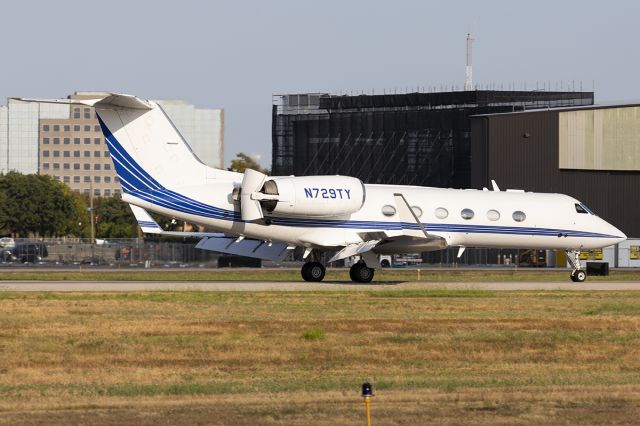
<point x="237" y="54"/>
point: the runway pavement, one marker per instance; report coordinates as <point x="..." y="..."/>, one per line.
<point x="124" y="286"/>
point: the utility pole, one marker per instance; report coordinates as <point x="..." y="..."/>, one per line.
<point x="93" y="230"/>
<point x="468" y="82"/>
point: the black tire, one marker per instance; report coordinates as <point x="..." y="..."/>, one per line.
<point x="580" y="276"/>
<point x="385" y="263"/>
<point x="313" y="271"/>
<point x="361" y="273"/>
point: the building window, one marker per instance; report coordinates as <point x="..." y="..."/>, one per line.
<point x="493" y="215"/>
<point x="96" y="128"/>
<point x="86" y="192"/>
<point x="67" y="179"/>
<point x="45" y="166"/>
<point x="96" y="153"/>
<point x="96" y="166"/>
<point x="87" y="113"/>
<point x="96" y="141"/>
<point x="87" y="153"/>
<point x="96" y="192"/>
<point x="107" y="167"/>
<point x="56" y="177"/>
<point x="87" y="166"/>
<point x="56" y="166"/>
<point x="96" y="179"/>
<point x="45" y="128"/>
<point x="56" y="128"/>
<point x="116" y="191"/>
<point x="467" y="214"/>
<point x="442" y="213"/>
<point x="67" y="141"/>
<point x="519" y="216"/>
<point x="76" y="166"/>
<point x="116" y="179"/>
<point x="66" y="154"/>
<point x="87" y="128"/>
<point x="107" y="179"/>
<point x="76" y="141"/>
<point x="67" y="128"/>
<point x="56" y="153"/>
<point x="107" y="192"/>
<point x="76" y="153"/>
<point x="87" y="179"/>
<point x="66" y="166"/>
<point x="106" y="154"/>
<point x="87" y="141"/>
<point x="76" y="128"/>
<point x="76" y="113"/>
<point x="45" y="153"/>
<point x="76" y="179"/>
<point x="45" y="141"/>
<point x="56" y="141"/>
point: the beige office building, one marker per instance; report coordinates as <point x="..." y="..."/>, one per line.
<point x="66" y="142"/>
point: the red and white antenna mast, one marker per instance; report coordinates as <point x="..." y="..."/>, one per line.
<point x="468" y="82"/>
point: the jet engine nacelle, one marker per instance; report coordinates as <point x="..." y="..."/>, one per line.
<point x="314" y="196"/>
<point x="306" y="196"/>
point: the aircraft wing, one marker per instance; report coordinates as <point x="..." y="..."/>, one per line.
<point x="267" y="250"/>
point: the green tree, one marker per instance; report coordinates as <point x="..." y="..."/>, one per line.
<point x="38" y="205"/>
<point x="114" y="218"/>
<point x="244" y="161"/>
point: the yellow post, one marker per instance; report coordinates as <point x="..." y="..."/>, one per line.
<point x="418" y="274"/>
<point x="367" y="406"/>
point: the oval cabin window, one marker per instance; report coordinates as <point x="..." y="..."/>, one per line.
<point x="493" y="215"/>
<point x="388" y="210"/>
<point x="519" y="216"/>
<point x="442" y="213"/>
<point x="467" y="214"/>
<point x="417" y="210"/>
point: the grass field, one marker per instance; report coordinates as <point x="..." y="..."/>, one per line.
<point x="293" y="274"/>
<point x="433" y="356"/>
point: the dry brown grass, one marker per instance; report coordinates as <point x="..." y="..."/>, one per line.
<point x="453" y="357"/>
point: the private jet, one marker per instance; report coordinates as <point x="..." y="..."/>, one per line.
<point x="266" y="217"/>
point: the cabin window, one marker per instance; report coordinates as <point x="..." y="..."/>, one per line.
<point x="388" y="210"/>
<point x="442" y="213"/>
<point x="467" y="214"/>
<point x="416" y="210"/>
<point x="493" y="215"/>
<point x="519" y="216"/>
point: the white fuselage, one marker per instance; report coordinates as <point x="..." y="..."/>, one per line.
<point x="551" y="221"/>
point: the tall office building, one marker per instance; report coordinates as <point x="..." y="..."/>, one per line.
<point x="66" y="142"/>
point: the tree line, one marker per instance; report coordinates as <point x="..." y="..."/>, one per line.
<point x="39" y="206"/>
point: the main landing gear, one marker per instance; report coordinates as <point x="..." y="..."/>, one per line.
<point x="578" y="275"/>
<point x="313" y="271"/>
<point x="361" y="273"/>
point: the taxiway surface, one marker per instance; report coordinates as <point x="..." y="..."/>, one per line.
<point x="114" y="286"/>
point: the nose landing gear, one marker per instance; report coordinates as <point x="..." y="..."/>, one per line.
<point x="578" y="275"/>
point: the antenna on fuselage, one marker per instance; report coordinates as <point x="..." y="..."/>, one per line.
<point x="494" y="185"/>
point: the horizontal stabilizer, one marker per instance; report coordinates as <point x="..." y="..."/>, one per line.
<point x="150" y="226"/>
<point x="275" y="251"/>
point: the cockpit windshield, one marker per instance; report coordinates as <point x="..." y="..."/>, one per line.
<point x="581" y="208"/>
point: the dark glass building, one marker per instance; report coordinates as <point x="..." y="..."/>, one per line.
<point x="409" y="139"/>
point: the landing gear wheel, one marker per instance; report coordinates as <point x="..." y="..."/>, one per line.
<point x="313" y="271"/>
<point x="361" y="273"/>
<point x="578" y="276"/>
